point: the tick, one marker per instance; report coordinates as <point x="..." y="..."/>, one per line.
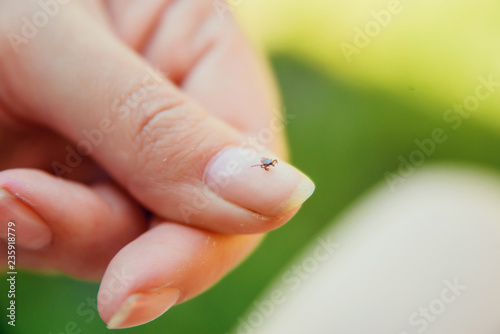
<point x="266" y="163"/>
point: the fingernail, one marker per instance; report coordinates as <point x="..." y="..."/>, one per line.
<point x="232" y="175"/>
<point x="29" y="229"/>
<point x="144" y="307"/>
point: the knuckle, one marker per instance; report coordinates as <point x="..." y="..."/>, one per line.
<point x="161" y="126"/>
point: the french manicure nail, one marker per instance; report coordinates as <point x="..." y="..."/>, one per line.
<point x="30" y="230"/>
<point x="144" y="307"/>
<point x="238" y="176"/>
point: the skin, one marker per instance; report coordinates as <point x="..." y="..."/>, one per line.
<point x="114" y="205"/>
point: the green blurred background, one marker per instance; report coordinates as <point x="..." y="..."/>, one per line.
<point x="351" y="122"/>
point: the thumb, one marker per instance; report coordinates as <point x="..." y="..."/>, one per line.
<point x="170" y="154"/>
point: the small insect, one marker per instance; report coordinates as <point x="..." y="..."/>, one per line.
<point x="266" y="163"/>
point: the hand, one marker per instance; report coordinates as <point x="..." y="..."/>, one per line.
<point x="110" y="168"/>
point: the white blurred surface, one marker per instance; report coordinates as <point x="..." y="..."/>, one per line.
<point x="393" y="260"/>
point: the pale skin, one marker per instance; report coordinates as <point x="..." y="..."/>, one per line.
<point x="90" y="57"/>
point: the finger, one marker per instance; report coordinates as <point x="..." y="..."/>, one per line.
<point x="173" y="157"/>
<point x="200" y="47"/>
<point x="37" y="148"/>
<point x="165" y="266"/>
<point x="65" y="226"/>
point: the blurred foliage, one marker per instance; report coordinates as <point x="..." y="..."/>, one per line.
<point x="439" y="47"/>
<point x="349" y="125"/>
<point x="345" y="137"/>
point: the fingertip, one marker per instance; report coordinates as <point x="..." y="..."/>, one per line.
<point x="144" y="307"/>
<point x="169" y="257"/>
<point x="258" y="182"/>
